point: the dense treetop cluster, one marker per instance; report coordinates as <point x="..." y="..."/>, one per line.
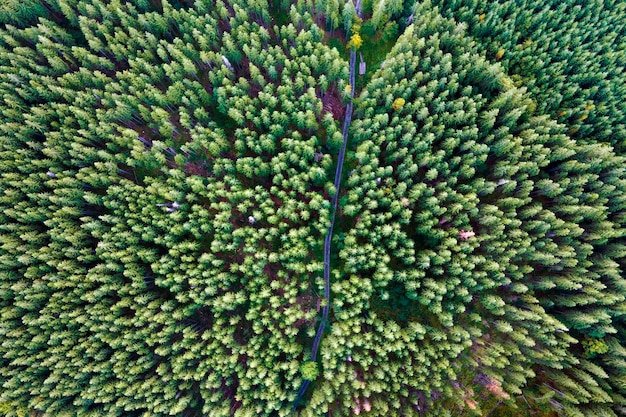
<point x="166" y="176"/>
<point x="569" y="55"/>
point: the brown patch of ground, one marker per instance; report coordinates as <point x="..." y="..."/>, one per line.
<point x="331" y="103"/>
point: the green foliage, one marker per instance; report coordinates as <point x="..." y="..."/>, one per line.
<point x="22" y="12"/>
<point x="594" y="347"/>
<point x="172" y="228"/>
<point x="9" y="409"/>
<point x="569" y="54"/>
<point x="309" y="370"/>
<point x="166" y="175"/>
<point x="390" y="31"/>
<point x="368" y="28"/>
<point x="498" y="310"/>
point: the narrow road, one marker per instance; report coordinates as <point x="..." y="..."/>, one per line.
<point x="329" y="234"/>
<point x="335" y="201"/>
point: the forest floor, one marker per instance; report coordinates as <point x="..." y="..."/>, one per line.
<point x="373" y="52"/>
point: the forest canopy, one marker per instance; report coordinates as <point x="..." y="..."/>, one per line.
<point x="265" y="207"/>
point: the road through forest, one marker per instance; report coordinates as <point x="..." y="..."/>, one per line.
<point x="329" y="233"/>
